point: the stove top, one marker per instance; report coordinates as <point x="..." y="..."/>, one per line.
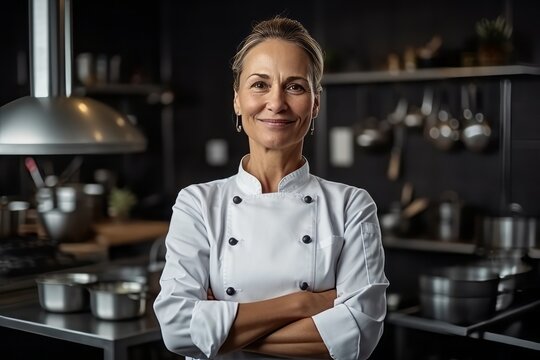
<point x="29" y="255"/>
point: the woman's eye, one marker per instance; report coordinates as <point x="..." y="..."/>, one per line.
<point x="297" y="88"/>
<point x="259" y="85"/>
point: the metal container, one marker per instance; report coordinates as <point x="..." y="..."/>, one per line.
<point x="65" y="213"/>
<point x="513" y="275"/>
<point x="461" y="281"/>
<point x="459" y="295"/>
<point x="118" y="300"/>
<point x="64" y="292"/>
<point x="457" y="310"/>
<point x="12" y="216"/>
<point x="510" y="232"/>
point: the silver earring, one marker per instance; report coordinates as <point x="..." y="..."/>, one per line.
<point x="312" y="126"/>
<point x="238" y="126"/>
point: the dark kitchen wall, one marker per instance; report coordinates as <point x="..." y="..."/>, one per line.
<point x="198" y="40"/>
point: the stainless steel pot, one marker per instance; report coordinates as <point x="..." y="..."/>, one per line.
<point x="64" y="292"/>
<point x="510" y="232"/>
<point x="118" y="300"/>
<point x="513" y="275"/>
<point x="461" y="281"/>
<point x="12" y="216"/>
<point x="459" y="295"/>
<point x="457" y="310"/>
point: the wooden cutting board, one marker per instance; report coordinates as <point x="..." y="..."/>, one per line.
<point x="129" y="232"/>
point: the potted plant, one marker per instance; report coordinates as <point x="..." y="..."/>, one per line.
<point x="121" y="201"/>
<point x="494" y="41"/>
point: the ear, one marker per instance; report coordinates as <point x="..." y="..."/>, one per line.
<point x="316" y="106"/>
<point x="235" y="103"/>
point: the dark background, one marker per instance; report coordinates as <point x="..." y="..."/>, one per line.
<point x="187" y="46"/>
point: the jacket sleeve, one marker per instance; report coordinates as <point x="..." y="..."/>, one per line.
<point x="190" y="324"/>
<point x="353" y="327"/>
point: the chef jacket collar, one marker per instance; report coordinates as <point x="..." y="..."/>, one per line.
<point x="290" y="182"/>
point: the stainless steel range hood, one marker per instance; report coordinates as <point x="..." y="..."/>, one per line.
<point x="50" y="121"/>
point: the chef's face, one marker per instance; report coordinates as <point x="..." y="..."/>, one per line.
<point x="276" y="96"/>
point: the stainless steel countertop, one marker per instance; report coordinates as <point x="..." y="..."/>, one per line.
<point x="20" y="310"/>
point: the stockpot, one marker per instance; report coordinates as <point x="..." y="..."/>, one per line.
<point x="510" y="232"/>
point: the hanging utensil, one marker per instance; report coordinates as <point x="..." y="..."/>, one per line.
<point x="394" y="167"/>
<point x="476" y="132"/>
<point x="416" y="116"/>
<point x="445" y="132"/>
<point x="371" y="132"/>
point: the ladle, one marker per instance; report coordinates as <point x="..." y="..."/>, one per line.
<point x="476" y="132"/>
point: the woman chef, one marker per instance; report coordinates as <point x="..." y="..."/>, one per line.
<point x="273" y="261"/>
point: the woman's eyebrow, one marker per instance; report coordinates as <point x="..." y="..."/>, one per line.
<point x="289" y="79"/>
<point x="264" y="76"/>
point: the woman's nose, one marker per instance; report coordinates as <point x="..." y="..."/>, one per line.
<point x="277" y="101"/>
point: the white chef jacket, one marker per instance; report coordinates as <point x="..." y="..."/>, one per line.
<point x="311" y="235"/>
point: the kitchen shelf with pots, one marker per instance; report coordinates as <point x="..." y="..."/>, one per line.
<point x="493" y="329"/>
<point x="366" y="77"/>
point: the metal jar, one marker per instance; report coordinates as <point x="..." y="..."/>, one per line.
<point x="64" y="292"/>
<point x="118" y="300"/>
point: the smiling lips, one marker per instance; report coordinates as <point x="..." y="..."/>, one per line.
<point x="276" y="123"/>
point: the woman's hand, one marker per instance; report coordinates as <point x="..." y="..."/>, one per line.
<point x="261" y="318"/>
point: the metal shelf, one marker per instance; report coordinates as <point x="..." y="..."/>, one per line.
<point x="154" y="93"/>
<point x="367" y="77"/>
<point x="493" y="329"/>
<point x="430" y="245"/>
<point x="119" y="89"/>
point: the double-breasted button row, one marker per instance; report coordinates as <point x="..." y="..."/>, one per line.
<point x="233" y="241"/>
<point x="307" y="199"/>
<point x="306" y="239"/>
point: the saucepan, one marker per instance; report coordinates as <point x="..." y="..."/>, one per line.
<point x="459" y="295"/>
<point x="64" y="292"/>
<point x="514" y="275"/>
<point x="118" y="300"/>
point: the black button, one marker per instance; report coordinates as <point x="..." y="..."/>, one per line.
<point x="306" y="239"/>
<point x="230" y="291"/>
<point x="237" y="199"/>
<point x="233" y="241"/>
<point x="303" y="286"/>
<point x="308" y="199"/>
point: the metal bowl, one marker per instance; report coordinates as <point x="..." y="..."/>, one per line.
<point x="64" y="292"/>
<point x="118" y="300"/>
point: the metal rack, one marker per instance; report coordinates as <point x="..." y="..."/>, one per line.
<point x="503" y="73"/>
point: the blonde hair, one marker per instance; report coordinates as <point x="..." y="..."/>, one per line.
<point x="283" y="29"/>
